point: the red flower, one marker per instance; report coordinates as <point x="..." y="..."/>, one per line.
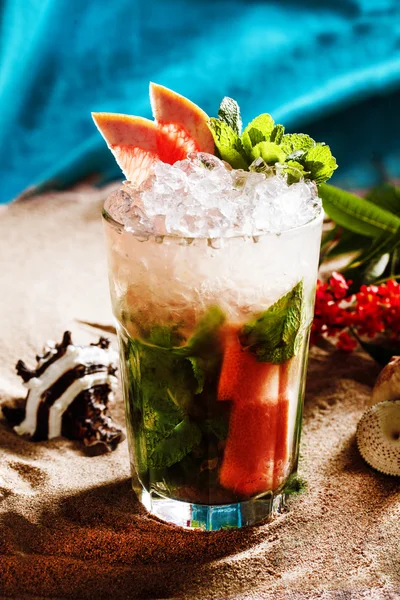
<point x="346" y="342"/>
<point x="373" y="310"/>
<point x="339" y="286"/>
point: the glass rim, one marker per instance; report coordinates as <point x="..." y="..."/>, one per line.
<point x="120" y="227"/>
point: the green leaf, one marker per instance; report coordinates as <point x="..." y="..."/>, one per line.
<point x="166" y="337"/>
<point x="228" y="144"/>
<point x="294" y="142"/>
<point x="234" y="158"/>
<point x="255" y="136"/>
<point x="277" y="134"/>
<point x="386" y="196"/>
<point x="258" y="130"/>
<point x="270" y="152"/>
<point x="276" y="334"/>
<point x="161" y="389"/>
<point x="371" y="263"/>
<point x="294" y="171"/>
<point x="204" y="335"/>
<point x="357" y="214"/>
<point x="320" y="163"/>
<point x="381" y="245"/>
<point x="198" y="372"/>
<point x="182" y="439"/>
<point x="229" y="112"/>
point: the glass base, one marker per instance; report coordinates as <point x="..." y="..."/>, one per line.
<point x="212" y="517"/>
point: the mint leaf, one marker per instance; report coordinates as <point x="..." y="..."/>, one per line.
<point x="234" y="158"/>
<point x="229" y="112"/>
<point x="320" y="163"/>
<point x="294" y="142"/>
<point x="169" y="385"/>
<point x="198" y="372"/>
<point x="294" y="171"/>
<point x="277" y="134"/>
<point x="227" y="143"/>
<point x="182" y="439"/>
<point x="161" y="388"/>
<point x="203" y="338"/>
<point x="163" y="336"/>
<point x="255" y="136"/>
<point x="259" y="130"/>
<point x="202" y="347"/>
<point x="276" y="334"/>
<point x="270" y="153"/>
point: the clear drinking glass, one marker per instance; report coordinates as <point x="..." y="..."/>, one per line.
<point x="213" y="433"/>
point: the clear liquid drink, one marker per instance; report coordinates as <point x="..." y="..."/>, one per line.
<point x="213" y="336"/>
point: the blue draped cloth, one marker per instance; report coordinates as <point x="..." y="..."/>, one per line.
<point x="331" y="69"/>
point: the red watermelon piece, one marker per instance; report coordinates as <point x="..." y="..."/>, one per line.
<point x="256" y="456"/>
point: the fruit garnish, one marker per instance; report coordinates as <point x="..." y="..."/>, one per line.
<point x="136" y="143"/>
<point x="175" y="113"/>
<point x="181" y="127"/>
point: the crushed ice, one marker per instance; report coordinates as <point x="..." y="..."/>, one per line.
<point x="202" y="196"/>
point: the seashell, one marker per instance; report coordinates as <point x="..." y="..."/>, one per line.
<point x="387" y="386"/>
<point x="68" y="394"/>
<point x="378" y="437"/>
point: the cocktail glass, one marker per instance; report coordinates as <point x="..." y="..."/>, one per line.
<point x="213" y="426"/>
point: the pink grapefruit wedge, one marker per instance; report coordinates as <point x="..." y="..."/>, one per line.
<point x="171" y="109"/>
<point x="180" y="127"/>
<point x="132" y="140"/>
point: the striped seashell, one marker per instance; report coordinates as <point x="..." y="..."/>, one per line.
<point x="68" y="394"/>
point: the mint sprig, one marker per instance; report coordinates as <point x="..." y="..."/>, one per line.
<point x="263" y="140"/>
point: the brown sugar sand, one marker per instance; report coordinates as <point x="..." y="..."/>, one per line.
<point x="70" y="525"/>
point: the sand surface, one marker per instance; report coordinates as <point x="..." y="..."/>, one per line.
<point x="70" y="524"/>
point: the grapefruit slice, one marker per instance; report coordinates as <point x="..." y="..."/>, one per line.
<point x="172" y="110"/>
<point x="134" y="141"/>
<point x="180" y="127"/>
<point x="256" y="452"/>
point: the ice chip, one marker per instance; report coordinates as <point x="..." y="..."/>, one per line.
<point x="121" y="203"/>
<point x="204" y="160"/>
<point x="260" y="166"/>
<point x="138" y="221"/>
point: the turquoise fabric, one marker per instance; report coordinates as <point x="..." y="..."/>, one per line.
<point x="329" y="68"/>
